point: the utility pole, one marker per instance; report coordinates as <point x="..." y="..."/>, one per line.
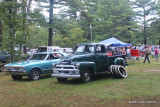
<point x="50" y="23"/>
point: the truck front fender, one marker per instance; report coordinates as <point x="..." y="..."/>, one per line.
<point x="119" y="61"/>
<point x="87" y="65"/>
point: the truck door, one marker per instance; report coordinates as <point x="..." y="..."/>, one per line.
<point x="101" y="58"/>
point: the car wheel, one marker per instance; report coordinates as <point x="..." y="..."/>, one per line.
<point x="62" y="79"/>
<point x="17" y="77"/>
<point x="86" y="76"/>
<point x="35" y="75"/>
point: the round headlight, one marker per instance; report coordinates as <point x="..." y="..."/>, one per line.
<point x="77" y="66"/>
<point x="5" y="68"/>
<point x="53" y="65"/>
<point x="21" y="69"/>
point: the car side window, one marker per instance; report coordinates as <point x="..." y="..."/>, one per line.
<point x="59" y="55"/>
<point x="49" y="49"/>
<point x="100" y="49"/>
<point x="51" y="57"/>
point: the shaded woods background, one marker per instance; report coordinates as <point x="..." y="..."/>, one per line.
<point x="23" y="24"/>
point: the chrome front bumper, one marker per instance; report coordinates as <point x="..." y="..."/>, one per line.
<point x="65" y="71"/>
<point x="16" y="72"/>
<point x="65" y="76"/>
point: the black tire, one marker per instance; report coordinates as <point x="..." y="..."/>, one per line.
<point x="86" y="76"/>
<point x="122" y="65"/>
<point x="62" y="79"/>
<point x="17" y="77"/>
<point x="34" y="75"/>
<point x="114" y="70"/>
<point x="110" y="69"/>
<point x="117" y="72"/>
<point x="122" y="72"/>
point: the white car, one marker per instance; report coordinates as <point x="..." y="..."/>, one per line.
<point x="32" y="51"/>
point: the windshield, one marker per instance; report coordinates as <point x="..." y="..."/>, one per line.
<point x="38" y="57"/>
<point x="84" y="49"/>
<point x="42" y="49"/>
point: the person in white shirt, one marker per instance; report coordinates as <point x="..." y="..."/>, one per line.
<point x="128" y="52"/>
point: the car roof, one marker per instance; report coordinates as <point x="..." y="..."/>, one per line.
<point x="48" y="52"/>
<point x="90" y="44"/>
<point x="48" y="47"/>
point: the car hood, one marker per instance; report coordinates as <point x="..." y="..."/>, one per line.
<point x="28" y="62"/>
<point x="77" y="57"/>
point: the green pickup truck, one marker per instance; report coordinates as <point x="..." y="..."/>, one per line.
<point x="87" y="60"/>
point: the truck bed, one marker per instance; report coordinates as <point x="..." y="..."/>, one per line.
<point x="112" y="58"/>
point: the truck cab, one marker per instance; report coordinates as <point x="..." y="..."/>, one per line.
<point x="88" y="59"/>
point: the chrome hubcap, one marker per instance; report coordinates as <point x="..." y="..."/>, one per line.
<point x="86" y="76"/>
<point x="35" y="75"/>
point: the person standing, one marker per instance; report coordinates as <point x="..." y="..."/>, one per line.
<point x="148" y="52"/>
<point x="128" y="53"/>
<point x="156" y="52"/>
<point x="123" y="51"/>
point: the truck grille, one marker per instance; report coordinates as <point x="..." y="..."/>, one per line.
<point x="66" y="69"/>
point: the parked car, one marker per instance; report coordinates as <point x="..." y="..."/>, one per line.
<point x="66" y="50"/>
<point x="88" y="60"/>
<point x="4" y="56"/>
<point x="32" y="51"/>
<point x="49" y="49"/>
<point x="39" y="63"/>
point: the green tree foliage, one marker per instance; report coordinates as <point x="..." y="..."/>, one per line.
<point x="146" y="9"/>
<point x="77" y="21"/>
<point x="72" y="37"/>
<point x="154" y="27"/>
<point x="10" y="18"/>
<point x="81" y="12"/>
<point x="114" y="18"/>
<point x="37" y="36"/>
<point x="101" y="19"/>
<point x="15" y="17"/>
<point x="51" y="7"/>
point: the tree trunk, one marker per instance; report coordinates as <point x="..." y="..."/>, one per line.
<point x="12" y="53"/>
<point x="144" y="28"/>
<point x="1" y="38"/>
<point x="11" y="34"/>
<point x="29" y="6"/>
<point x="11" y="37"/>
<point x="26" y="11"/>
<point x="24" y="27"/>
<point x="50" y="23"/>
<point x="1" y="27"/>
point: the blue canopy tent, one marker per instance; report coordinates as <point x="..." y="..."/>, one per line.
<point x="114" y="42"/>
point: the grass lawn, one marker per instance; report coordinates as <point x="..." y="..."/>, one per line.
<point x="141" y="88"/>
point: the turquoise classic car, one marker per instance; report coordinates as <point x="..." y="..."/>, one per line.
<point x="39" y="63"/>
